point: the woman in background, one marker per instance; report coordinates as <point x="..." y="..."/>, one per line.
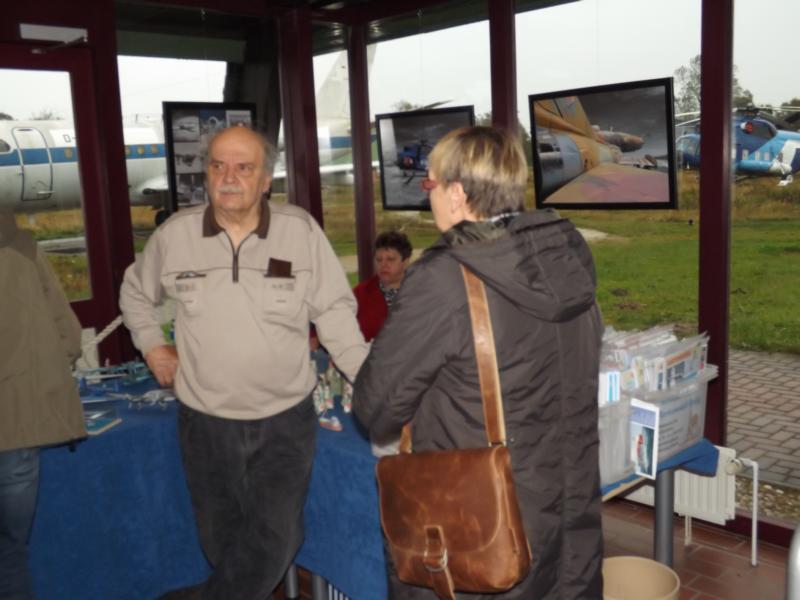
<point x="375" y="295"/>
<point x="540" y="284"/>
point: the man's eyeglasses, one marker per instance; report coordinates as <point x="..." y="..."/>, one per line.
<point x="428" y="184"/>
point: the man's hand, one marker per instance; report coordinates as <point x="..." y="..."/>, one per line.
<point x="163" y="364"/>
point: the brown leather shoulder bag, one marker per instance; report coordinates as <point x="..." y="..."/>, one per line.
<point x="451" y="517"/>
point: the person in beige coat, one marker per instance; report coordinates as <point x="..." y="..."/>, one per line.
<point x="248" y="277"/>
<point x="39" y="402"/>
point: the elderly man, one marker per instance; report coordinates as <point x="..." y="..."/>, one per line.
<point x="248" y="277"/>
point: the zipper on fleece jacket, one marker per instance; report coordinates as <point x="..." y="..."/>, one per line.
<point x="235" y="251"/>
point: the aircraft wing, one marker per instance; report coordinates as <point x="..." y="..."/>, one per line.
<point x="613" y="183"/>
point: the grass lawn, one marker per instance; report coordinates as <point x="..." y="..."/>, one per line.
<point x="647" y="266"/>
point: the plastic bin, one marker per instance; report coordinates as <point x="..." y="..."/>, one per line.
<point x="613" y="430"/>
<point x="682" y="412"/>
<point x="637" y="578"/>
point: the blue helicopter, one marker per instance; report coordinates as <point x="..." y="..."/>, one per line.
<point x="760" y="148"/>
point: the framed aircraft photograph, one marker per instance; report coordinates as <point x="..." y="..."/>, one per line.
<point x="187" y="128"/>
<point x="607" y="146"/>
<point x="404" y="141"/>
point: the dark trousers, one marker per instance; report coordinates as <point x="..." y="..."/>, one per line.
<point x="248" y="482"/>
<point x="19" y="484"/>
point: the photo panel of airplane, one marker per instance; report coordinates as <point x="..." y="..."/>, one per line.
<point x="404" y="141"/>
<point x="187" y="128"/>
<point x="607" y="146"/>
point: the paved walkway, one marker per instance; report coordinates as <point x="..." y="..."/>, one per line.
<point x="764" y="413"/>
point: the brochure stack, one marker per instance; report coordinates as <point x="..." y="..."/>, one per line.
<point x="652" y="398"/>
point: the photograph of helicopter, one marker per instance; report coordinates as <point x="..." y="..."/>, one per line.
<point x="763" y="145"/>
<point x="604" y="147"/>
<point x="404" y="141"/>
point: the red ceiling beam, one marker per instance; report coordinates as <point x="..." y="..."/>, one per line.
<point x="250" y="8"/>
<point x="374" y="11"/>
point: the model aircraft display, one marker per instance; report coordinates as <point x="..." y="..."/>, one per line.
<point x="759" y="147"/>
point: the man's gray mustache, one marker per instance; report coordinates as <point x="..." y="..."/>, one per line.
<point x="230" y="189"/>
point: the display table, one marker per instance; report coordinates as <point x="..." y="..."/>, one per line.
<point x="701" y="458"/>
<point x="114" y="518"/>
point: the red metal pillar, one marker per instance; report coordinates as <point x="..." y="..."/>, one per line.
<point x="362" y="148"/>
<point x="299" y="111"/>
<point x="715" y="201"/>
<point x="503" y="64"/>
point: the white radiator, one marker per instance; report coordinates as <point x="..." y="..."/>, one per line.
<point x="706" y="498"/>
<point x="334" y="594"/>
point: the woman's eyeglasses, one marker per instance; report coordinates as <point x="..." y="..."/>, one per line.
<point x="428" y="184"/>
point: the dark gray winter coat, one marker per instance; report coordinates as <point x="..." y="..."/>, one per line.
<point x="540" y="284"/>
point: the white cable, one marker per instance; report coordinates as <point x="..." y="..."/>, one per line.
<point x="102" y="335"/>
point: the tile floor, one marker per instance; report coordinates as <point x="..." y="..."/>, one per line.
<point x="716" y="566"/>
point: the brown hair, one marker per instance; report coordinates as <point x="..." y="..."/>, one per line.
<point x="490" y="165"/>
<point x="395" y="240"/>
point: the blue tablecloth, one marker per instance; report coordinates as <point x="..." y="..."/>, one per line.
<point x="114" y="519"/>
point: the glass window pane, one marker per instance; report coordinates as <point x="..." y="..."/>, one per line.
<point x="39" y="174"/>
<point x="445" y="68"/>
<point x="763" y="395"/>
<point x="637" y="289"/>
<point x="144" y="84"/>
<point x="331" y="84"/>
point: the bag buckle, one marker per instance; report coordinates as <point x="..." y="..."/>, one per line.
<point x="435" y="564"/>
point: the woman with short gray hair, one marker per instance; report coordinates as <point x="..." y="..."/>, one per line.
<point x="540" y="284"/>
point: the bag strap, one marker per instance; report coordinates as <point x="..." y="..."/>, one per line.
<point x="483" y="337"/>
<point x="486" y="356"/>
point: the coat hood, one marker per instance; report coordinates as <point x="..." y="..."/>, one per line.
<point x="538" y="260"/>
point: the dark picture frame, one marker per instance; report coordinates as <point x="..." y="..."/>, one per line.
<point x="404" y="141"/>
<point x="605" y="147"/>
<point x="187" y="127"/>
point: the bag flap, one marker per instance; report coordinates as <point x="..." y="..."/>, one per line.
<point x="463" y="491"/>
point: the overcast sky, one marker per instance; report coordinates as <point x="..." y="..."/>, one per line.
<point x="590" y="42"/>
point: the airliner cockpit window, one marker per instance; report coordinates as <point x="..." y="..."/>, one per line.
<point x="4" y="147"/>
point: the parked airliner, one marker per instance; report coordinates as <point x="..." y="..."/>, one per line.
<point x="39" y="159"/>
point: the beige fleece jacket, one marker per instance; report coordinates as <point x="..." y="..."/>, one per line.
<point x="242" y="324"/>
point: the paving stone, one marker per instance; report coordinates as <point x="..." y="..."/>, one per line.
<point x="767" y="463"/>
<point x="755" y="453"/>
<point x="788" y="464"/>
<point x="782" y="436"/>
<point x="772" y="428"/>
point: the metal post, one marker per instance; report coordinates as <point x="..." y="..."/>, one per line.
<point x="291" y="589"/>
<point x="665" y="503"/>
<point x="319" y="587"/>
<point x="362" y="149"/>
<point x="715" y="203"/>
<point x="793" y="568"/>
<point x="299" y="111"/>
<point x="502" y="52"/>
